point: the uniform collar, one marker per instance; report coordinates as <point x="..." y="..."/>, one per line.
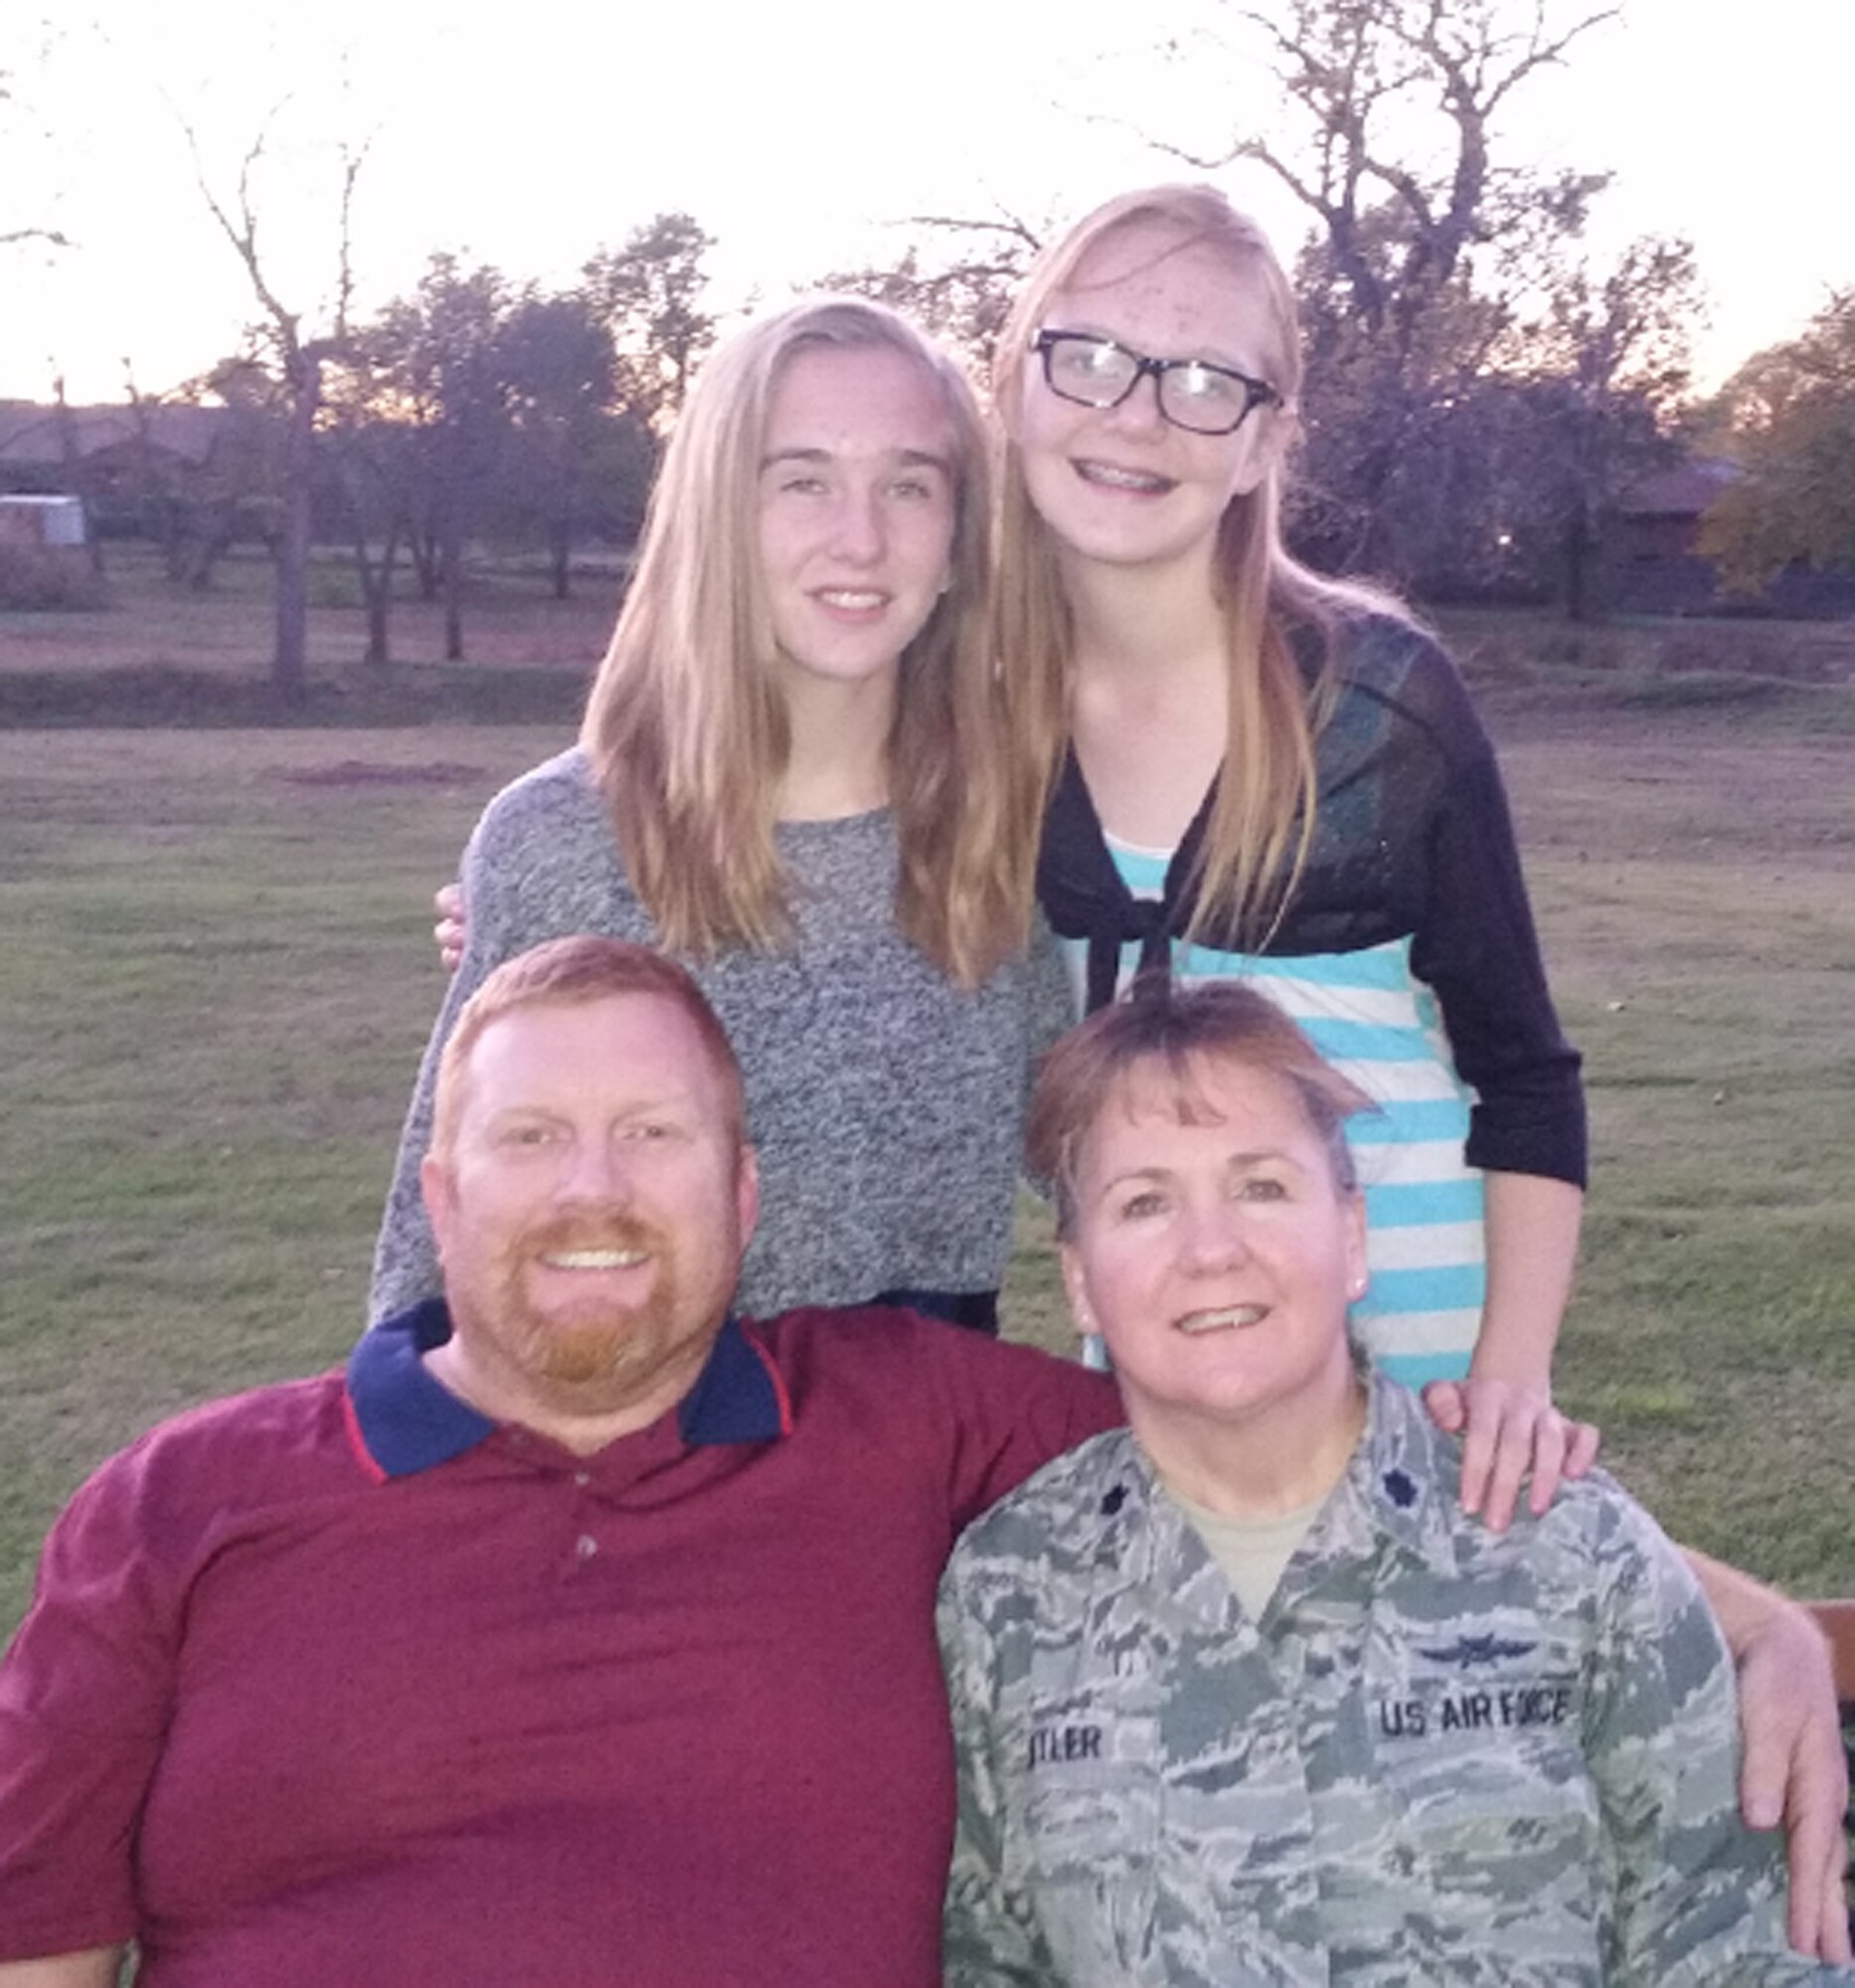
<point x="1397" y="1492"/>
<point x="403" y="1420"/>
<point x="1401" y="1482"/>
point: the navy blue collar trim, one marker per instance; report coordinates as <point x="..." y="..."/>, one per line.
<point x="737" y="1397"/>
<point x="407" y="1421"/>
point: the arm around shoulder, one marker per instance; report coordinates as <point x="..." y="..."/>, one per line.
<point x="1794" y="1769"/>
<point x="1699" y="1892"/>
<point x="1504" y="1411"/>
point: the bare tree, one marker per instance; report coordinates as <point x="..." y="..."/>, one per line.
<point x="962" y="287"/>
<point x="1370" y="86"/>
<point x="16" y="233"/>
<point x="298" y="362"/>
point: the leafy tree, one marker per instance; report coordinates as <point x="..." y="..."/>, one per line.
<point x="1503" y="447"/>
<point x="370" y="477"/>
<point x="647" y="295"/>
<point x="576" y="463"/>
<point x="1788" y="417"/>
<point x="439" y="353"/>
<point x="1610" y="361"/>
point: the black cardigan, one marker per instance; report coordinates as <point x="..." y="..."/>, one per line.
<point x="1412" y="837"/>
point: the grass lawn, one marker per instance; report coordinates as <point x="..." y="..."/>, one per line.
<point x="215" y="980"/>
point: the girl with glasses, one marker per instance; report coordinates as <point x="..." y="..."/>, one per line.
<point x="1259" y="772"/>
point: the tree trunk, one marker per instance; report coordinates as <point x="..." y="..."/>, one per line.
<point x="1579" y="546"/>
<point x="376" y="579"/>
<point x="428" y="561"/>
<point x="561" y="530"/>
<point x="289" y="670"/>
<point x="380" y="603"/>
<point x="453" y="597"/>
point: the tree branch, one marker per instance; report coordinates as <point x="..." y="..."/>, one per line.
<point x="244" y="236"/>
<point x="1011" y="224"/>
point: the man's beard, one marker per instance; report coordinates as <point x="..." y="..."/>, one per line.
<point x="580" y="1345"/>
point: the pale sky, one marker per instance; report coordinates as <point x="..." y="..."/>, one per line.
<point x="793" y="132"/>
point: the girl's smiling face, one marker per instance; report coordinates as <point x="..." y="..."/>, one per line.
<point x="1123" y="485"/>
<point x="858" y="501"/>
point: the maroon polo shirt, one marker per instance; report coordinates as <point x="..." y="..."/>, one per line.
<point x="340" y="1682"/>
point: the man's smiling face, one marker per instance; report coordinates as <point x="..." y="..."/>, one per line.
<point x="590" y="1212"/>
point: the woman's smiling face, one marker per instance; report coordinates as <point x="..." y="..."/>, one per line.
<point x="1123" y="485"/>
<point x="1212" y="1246"/>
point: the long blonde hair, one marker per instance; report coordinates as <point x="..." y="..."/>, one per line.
<point x="1261" y="824"/>
<point x="686" y="726"/>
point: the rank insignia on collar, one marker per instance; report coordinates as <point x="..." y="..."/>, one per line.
<point x="1113" y="1500"/>
<point x="1399" y="1488"/>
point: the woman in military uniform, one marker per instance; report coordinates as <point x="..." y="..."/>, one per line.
<point x="1240" y="1694"/>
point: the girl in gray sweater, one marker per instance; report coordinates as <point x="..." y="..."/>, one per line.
<point x="795" y="774"/>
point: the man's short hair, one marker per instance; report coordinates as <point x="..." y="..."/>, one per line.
<point x="1182" y="1030"/>
<point x="569" y="973"/>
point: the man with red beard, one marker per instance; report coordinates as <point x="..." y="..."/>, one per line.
<point x="577" y="1634"/>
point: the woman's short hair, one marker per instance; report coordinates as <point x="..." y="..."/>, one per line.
<point x="1182" y="1030"/>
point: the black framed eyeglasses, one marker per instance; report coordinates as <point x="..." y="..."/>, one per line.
<point x="1193" y="394"/>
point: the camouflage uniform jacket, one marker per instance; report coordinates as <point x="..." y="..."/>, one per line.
<point x="1443" y="1756"/>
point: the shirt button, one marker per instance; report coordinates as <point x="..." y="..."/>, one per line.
<point x="585" y="1545"/>
<point x="582" y="1478"/>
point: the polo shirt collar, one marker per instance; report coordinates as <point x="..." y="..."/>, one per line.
<point x="405" y="1420"/>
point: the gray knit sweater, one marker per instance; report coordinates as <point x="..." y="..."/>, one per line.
<point x="887" y="1104"/>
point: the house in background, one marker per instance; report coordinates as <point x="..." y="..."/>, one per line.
<point x="1656" y="569"/>
<point x="193" y="480"/>
<point x="121" y="460"/>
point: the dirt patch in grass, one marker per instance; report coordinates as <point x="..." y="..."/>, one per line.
<point x="371" y="773"/>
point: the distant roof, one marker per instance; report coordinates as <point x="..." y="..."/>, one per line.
<point x="1684" y="491"/>
<point x="29" y="431"/>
